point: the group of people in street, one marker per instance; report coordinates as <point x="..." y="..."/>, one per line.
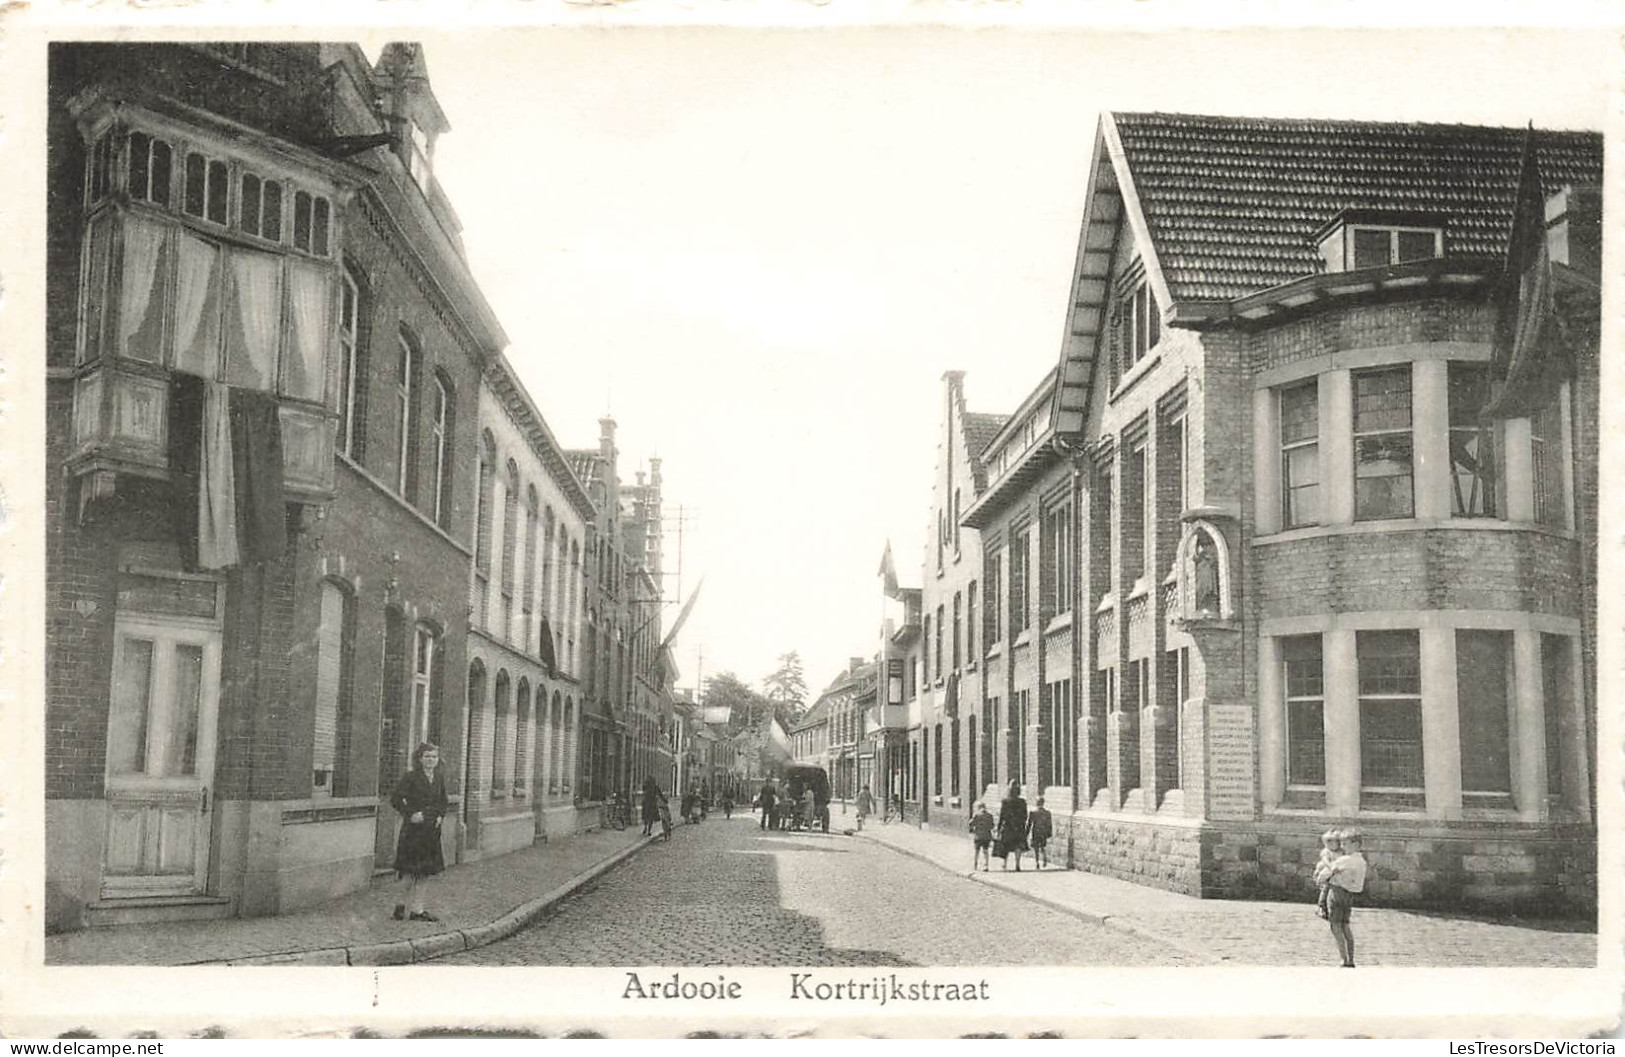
<point x="782" y="809"/>
<point x="421" y="801"/>
<point x="1016" y="831"/>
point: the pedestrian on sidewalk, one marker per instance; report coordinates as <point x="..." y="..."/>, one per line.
<point x="1012" y="826"/>
<point x="1344" y="878"/>
<point x="981" y="832"/>
<point x="420" y="797"/>
<point x="650" y="808"/>
<point x="866" y="806"/>
<point x="1040" y="827"/>
<point x="727" y="805"/>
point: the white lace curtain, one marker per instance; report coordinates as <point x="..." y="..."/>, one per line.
<point x="253" y="318"/>
<point x="307" y="339"/>
<point x="231" y="322"/>
<point x="140" y="325"/>
<point x="197" y="307"/>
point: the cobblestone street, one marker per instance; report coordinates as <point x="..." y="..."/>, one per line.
<point x="727" y="893"/>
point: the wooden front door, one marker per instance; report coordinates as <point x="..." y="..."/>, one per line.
<point x="160" y="757"/>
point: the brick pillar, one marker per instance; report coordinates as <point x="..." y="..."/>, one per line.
<point x="1095" y="552"/>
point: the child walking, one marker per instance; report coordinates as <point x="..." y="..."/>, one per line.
<point x="1344" y="878"/>
<point x="1040" y="827"/>
<point x="1331" y="846"/>
<point x="981" y="831"/>
<point x="866" y="806"/>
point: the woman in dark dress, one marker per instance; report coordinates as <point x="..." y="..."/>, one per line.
<point x="1012" y="837"/>
<point x="651" y="804"/>
<point x="420" y="797"/>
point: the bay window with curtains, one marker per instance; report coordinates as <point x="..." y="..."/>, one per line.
<point x="194" y="262"/>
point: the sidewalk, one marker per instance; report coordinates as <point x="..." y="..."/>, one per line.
<point x="477" y="903"/>
<point x="1256" y="932"/>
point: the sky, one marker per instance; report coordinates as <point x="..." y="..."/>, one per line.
<point x="759" y="250"/>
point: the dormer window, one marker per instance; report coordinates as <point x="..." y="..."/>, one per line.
<point x="1352" y="242"/>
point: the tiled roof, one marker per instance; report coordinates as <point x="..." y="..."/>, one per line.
<point x="979" y="430"/>
<point x="1233" y="203"/>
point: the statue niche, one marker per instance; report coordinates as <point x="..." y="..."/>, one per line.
<point x="1206" y="586"/>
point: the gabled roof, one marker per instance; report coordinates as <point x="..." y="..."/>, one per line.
<point x="1233" y="205"/>
<point x="818" y="713"/>
<point x="979" y="430"/>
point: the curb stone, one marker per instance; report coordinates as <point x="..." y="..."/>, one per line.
<point x="1107" y="920"/>
<point x="435" y="946"/>
<point x="426" y="948"/>
<point x="394" y="952"/>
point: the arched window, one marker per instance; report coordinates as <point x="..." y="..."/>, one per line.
<point x="479" y="721"/>
<point x="555" y="743"/>
<point x="522" y="739"/>
<point x="973" y="790"/>
<point x="936" y="761"/>
<point x="501" y="741"/>
<point x="407" y="366"/>
<point x="567" y="759"/>
<point x="483" y="502"/>
<point x="549" y="607"/>
<point x="510" y="545"/>
<point x="527" y="597"/>
<point x="564" y="588"/>
<point x="425" y="651"/>
<point x="570" y="622"/>
<point x="335" y="637"/>
<point x="440" y="432"/>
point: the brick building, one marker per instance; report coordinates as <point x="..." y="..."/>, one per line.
<point x="525" y="592"/>
<point x="956" y="746"/>
<point x="289" y="468"/>
<point x="1324" y="430"/>
<point x="628" y="725"/>
<point x="260" y="311"/>
<point x="849" y="721"/>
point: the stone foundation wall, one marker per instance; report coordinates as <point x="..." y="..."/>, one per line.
<point x="1542" y="871"/>
<point x="1535" y="870"/>
<point x="1162" y="856"/>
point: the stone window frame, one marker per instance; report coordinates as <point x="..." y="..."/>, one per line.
<point x="1290" y="698"/>
<point x="1441" y="799"/>
<point x="1378" y="434"/>
<point x="1518" y="446"/>
<point x="1295" y="446"/>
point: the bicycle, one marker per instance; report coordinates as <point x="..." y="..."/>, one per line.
<point x="617" y="813"/>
